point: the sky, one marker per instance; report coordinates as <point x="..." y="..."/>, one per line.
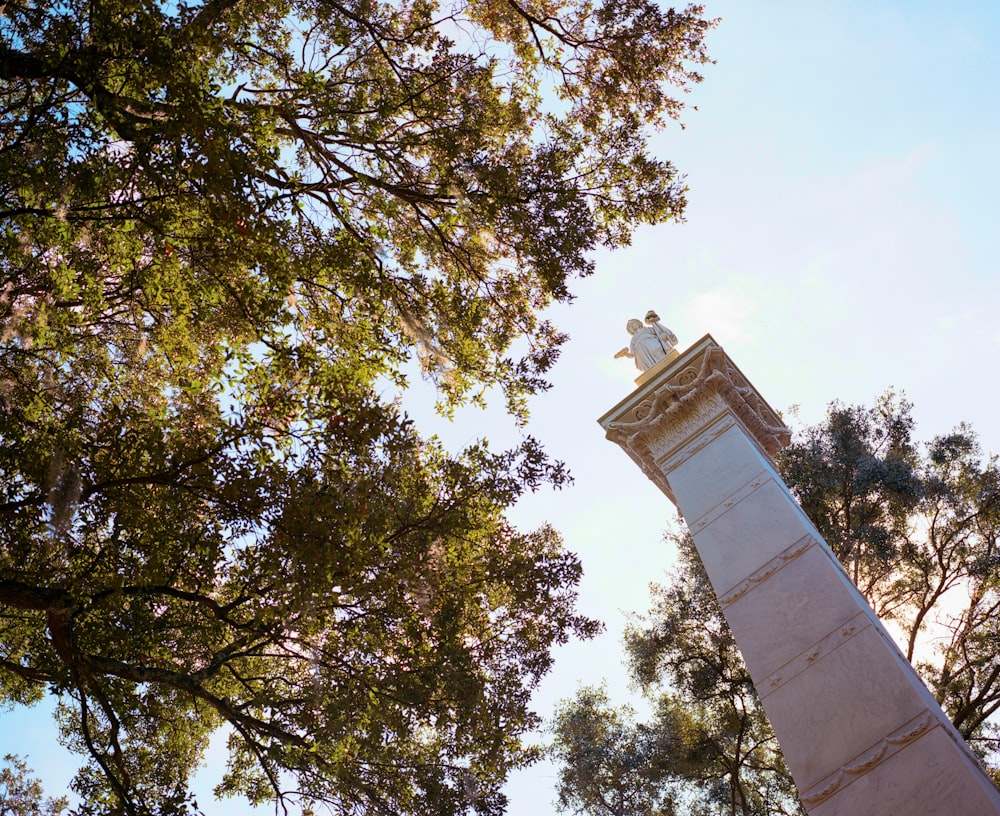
<point x="841" y="238"/>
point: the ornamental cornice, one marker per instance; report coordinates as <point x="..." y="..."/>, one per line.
<point x="690" y="392"/>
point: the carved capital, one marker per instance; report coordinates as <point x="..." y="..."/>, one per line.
<point x="696" y="390"/>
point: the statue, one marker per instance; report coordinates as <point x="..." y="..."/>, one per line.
<point x="650" y="343"/>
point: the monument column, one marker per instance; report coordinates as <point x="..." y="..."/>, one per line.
<point x="860" y="732"/>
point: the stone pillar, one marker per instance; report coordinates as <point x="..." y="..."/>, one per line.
<point x="860" y="732"/>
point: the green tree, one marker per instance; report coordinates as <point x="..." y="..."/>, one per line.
<point x="682" y="654"/>
<point x="613" y="766"/>
<point x="21" y="793"/>
<point x="227" y="230"/>
<point x="707" y="750"/>
<point x="857" y="476"/>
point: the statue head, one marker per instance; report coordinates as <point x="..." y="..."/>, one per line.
<point x="633" y="326"/>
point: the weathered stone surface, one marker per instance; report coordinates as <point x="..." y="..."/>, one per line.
<point x="803" y="598"/>
<point x="722" y="537"/>
<point x="918" y="780"/>
<point x="860" y="732"/>
<point x="839" y="706"/>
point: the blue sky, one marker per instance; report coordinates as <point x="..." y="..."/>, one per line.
<point x="842" y="237"/>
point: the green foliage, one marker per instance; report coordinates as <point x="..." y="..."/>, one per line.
<point x="682" y="654"/>
<point x="707" y="749"/>
<point x="610" y="764"/>
<point x="856" y="476"/>
<point x="227" y="228"/>
<point x="21" y="794"/>
<point x="377" y="177"/>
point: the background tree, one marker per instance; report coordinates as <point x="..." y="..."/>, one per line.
<point x="227" y="228"/>
<point x="708" y="748"/>
<point x="857" y="476"/>
<point x="682" y="654"/>
<point x="21" y="793"/>
<point x="915" y="525"/>
<point x="608" y="760"/>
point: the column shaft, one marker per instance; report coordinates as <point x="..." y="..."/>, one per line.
<point x="860" y="732"/>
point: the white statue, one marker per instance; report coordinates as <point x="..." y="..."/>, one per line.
<point x="650" y="343"/>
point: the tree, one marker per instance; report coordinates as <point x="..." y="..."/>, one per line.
<point x="613" y="766"/>
<point x="606" y="759"/>
<point x="708" y="749"/>
<point x="857" y="477"/>
<point x="227" y="228"/>
<point x="684" y="656"/>
<point x="915" y="525"/>
<point x="21" y="794"/>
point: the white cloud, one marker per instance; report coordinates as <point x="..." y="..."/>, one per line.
<point x="727" y="311"/>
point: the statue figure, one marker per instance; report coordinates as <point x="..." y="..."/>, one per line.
<point x="650" y="343"/>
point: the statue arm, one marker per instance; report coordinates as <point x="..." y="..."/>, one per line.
<point x="664" y="332"/>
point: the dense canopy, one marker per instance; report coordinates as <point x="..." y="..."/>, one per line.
<point x="229" y="231"/>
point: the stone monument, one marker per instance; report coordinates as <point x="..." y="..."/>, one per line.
<point x="860" y="732"/>
<point x="651" y="345"/>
